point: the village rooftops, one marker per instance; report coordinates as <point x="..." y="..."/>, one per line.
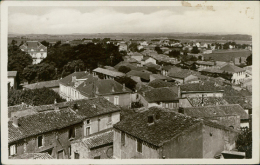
<point x="167" y="125"/>
<point x="12" y="73"/>
<point x="232" y="69"/>
<point x="216" y="111"/>
<point x="157" y="83"/>
<point x="212" y="70"/>
<point x="98" y="139"/>
<point x="101" y="87"/>
<point x="161" y="94"/>
<point x="202" y="86"/>
<point x="182" y="73"/>
<point x="47" y="84"/>
<point x="109" y="72"/>
<point x="143" y="75"/>
<point x="68" y="80"/>
<point x="46" y="121"/>
<point x="206" y="101"/>
<point x="33" y="156"/>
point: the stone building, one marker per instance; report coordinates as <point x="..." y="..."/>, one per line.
<point x="161" y="134"/>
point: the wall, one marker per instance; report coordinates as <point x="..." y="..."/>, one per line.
<point x="124" y="99"/>
<point x="184" y="103"/>
<point x="219" y="141"/>
<point x="103" y="123"/>
<point x="206" y="94"/>
<point x="79" y="147"/>
<point x="228" y="121"/>
<point x="129" y="150"/>
<point x="187" y="145"/>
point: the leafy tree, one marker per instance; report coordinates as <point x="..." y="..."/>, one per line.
<point x="21" y="43"/>
<point x="133" y="47"/>
<point x="174" y="54"/>
<point x="249" y="60"/>
<point x="17" y="61"/>
<point x="14" y="42"/>
<point x="45" y="43"/>
<point x="129" y="83"/>
<point x="58" y="43"/>
<point x="34" y="97"/>
<point x="195" y="50"/>
<point x="75" y="65"/>
<point x="137" y="104"/>
<point x="199" y="57"/>
<point x="124" y="69"/>
<point x="244" y="142"/>
<point x="158" y="50"/>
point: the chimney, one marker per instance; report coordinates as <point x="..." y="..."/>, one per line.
<point x="15" y="121"/>
<point x="124" y="87"/>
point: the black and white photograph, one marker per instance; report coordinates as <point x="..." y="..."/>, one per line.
<point x="130" y="80"/>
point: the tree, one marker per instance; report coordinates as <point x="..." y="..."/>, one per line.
<point x="14" y="42"/>
<point x="45" y="43"/>
<point x="17" y="61"/>
<point x="124" y="69"/>
<point x="21" y="43"/>
<point x="129" y="83"/>
<point x="136" y="104"/>
<point x="58" y="43"/>
<point x="74" y="66"/>
<point x="249" y="60"/>
<point x="195" y="50"/>
<point x="244" y="142"/>
<point x="34" y="97"/>
<point x="158" y="50"/>
<point x="174" y="54"/>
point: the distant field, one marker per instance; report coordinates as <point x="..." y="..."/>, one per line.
<point x="227" y="55"/>
<point x="213" y="41"/>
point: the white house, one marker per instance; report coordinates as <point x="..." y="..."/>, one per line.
<point x="238" y="74"/>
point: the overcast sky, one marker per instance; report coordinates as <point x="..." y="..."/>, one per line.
<point x="125" y="19"/>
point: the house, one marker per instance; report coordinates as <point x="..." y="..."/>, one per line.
<point x="47" y="131"/>
<point x="96" y="146"/>
<point x="240" y="61"/>
<point x="163" y="134"/>
<point x="186" y="64"/>
<point x="238" y="74"/>
<point x="107" y="74"/>
<point x="53" y="84"/>
<point x="160" y="77"/>
<point x="231" y="115"/>
<point x="12" y="80"/>
<point x="146" y="60"/>
<point x="139" y="76"/>
<point x="53" y="128"/>
<point x="137" y="56"/>
<point x="122" y="47"/>
<point x="35" y="49"/>
<point x="158" y="83"/>
<point x="110" y="89"/>
<point x="201" y="65"/>
<point x="184" y="76"/>
<point x="144" y="43"/>
<point x="139" y="47"/>
<point x="204" y="101"/>
<point x="167" y="97"/>
<point x="69" y="84"/>
<point x="169" y="69"/>
<point x="205" y="89"/>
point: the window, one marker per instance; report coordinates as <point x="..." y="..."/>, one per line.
<point x="72" y="133"/>
<point x="139" y="146"/>
<point x="76" y="155"/>
<point x="12" y="149"/>
<point x="97" y="157"/>
<point x="87" y="131"/>
<point x="116" y="100"/>
<point x="40" y="141"/>
<point x="171" y="105"/>
<point x="122" y="138"/>
<point x="166" y="105"/>
<point x="109" y="118"/>
<point x="88" y="121"/>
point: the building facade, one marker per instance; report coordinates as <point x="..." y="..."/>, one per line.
<point x="36" y="50"/>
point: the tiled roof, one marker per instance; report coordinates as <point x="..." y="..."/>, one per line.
<point x="207" y="101"/>
<point x="161" y="94"/>
<point x="182" y="74"/>
<point x="136" y="54"/>
<point x="101" y="87"/>
<point x="232" y="69"/>
<point x="33" y="45"/>
<point x="205" y="86"/>
<point x="169" y="125"/>
<point x="168" y="67"/>
<point x="220" y="110"/>
<point x="109" y="72"/>
<point x="47" y="84"/>
<point x="127" y="64"/>
<point x="68" y="79"/>
<point x="143" y="75"/>
<point x="33" y="156"/>
<point x="93" y="107"/>
<point x="161" y="77"/>
<point x="12" y="73"/>
<point x="145" y="58"/>
<point x="42" y="122"/>
<point x="212" y="70"/>
<point x="205" y="63"/>
<point x="98" y="139"/>
<point x="159" y="84"/>
<point x="152" y="65"/>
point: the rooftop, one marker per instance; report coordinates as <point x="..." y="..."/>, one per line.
<point x="169" y="125"/>
<point x="206" y="101"/>
<point x="68" y="79"/>
<point x="161" y="94"/>
<point x="12" y="73"/>
<point x="143" y="75"/>
<point x="202" y="86"/>
<point x="33" y="156"/>
<point x="109" y="72"/>
<point x="182" y="73"/>
<point x="157" y="83"/>
<point x="47" y="84"/>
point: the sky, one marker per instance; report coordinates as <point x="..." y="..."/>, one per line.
<point x="130" y="19"/>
